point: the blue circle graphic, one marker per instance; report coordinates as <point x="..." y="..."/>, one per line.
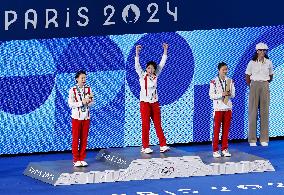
<point x="91" y="54"/>
<point x="21" y="95"/>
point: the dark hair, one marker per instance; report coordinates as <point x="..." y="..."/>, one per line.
<point x="221" y="64"/>
<point x="255" y="56"/>
<point x="154" y="64"/>
<point x="79" y="73"/>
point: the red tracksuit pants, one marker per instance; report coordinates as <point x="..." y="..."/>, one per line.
<point x="80" y="130"/>
<point x="224" y="118"/>
<point x="151" y="111"/>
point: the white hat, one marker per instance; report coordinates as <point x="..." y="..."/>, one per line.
<point x="261" y="46"/>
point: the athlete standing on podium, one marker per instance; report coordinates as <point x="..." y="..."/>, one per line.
<point x="80" y="100"/>
<point x="149" y="105"/>
<point x="221" y="91"/>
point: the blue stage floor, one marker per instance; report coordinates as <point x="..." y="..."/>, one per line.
<point x="12" y="180"/>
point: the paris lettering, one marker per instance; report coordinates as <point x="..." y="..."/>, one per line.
<point x="80" y="17"/>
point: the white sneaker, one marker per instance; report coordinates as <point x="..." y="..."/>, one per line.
<point x="252" y="144"/>
<point x="84" y="163"/>
<point x="146" y="150"/>
<point x="164" y="149"/>
<point x="264" y="143"/>
<point x="226" y="153"/>
<point x="216" y="154"/>
<point x="77" y="164"/>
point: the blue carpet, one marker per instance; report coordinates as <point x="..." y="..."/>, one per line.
<point x="12" y="180"/>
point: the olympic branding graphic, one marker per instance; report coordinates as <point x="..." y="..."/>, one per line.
<point x="35" y="76"/>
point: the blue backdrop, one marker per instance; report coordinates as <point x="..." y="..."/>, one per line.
<point x="35" y="76"/>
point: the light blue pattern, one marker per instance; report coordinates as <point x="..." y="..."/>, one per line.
<point x="214" y="46"/>
<point x="25" y="58"/>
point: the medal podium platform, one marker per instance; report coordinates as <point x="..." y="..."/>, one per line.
<point x="126" y="164"/>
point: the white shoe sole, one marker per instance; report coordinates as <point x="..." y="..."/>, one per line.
<point x="84" y="165"/>
<point x="252" y="145"/>
<point x="147" y="152"/>
<point x="77" y="165"/>
<point x="163" y="151"/>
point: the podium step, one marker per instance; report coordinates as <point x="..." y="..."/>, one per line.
<point x="126" y="164"/>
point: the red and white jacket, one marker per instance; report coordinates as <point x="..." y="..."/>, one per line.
<point x="216" y="91"/>
<point x="76" y="104"/>
<point x="148" y="83"/>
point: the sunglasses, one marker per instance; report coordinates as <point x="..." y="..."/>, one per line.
<point x="262" y="50"/>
